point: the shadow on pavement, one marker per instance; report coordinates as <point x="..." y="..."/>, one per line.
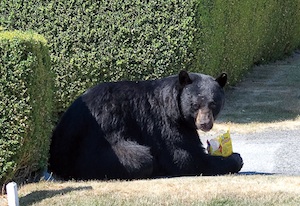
<point x="255" y="173"/>
<point x="268" y="93"/>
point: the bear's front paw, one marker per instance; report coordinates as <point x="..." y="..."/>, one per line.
<point x="237" y="162"/>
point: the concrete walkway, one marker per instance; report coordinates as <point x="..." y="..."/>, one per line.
<point x="266" y="152"/>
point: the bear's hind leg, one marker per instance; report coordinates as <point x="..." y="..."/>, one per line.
<point x="136" y="158"/>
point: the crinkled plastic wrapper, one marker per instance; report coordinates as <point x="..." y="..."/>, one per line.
<point x="220" y="146"/>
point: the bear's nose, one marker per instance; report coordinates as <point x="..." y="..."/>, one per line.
<point x="206" y="127"/>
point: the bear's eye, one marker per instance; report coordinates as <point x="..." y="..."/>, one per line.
<point x="195" y="106"/>
<point x="212" y="105"/>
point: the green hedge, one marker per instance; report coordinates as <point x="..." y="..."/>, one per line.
<point x="95" y="41"/>
<point x="233" y="35"/>
<point x="25" y="104"/>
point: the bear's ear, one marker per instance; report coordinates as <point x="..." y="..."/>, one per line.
<point x="184" y="78"/>
<point x="222" y="79"/>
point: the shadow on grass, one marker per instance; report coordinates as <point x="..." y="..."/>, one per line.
<point x="38" y="196"/>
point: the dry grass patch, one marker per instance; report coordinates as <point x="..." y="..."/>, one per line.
<point x="221" y="190"/>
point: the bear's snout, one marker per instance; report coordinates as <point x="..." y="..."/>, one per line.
<point x="204" y="120"/>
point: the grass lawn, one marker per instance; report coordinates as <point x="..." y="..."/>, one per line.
<point x="220" y="190"/>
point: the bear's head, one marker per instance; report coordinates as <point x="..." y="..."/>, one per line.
<point x="201" y="98"/>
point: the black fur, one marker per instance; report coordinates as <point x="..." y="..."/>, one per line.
<point x="144" y="129"/>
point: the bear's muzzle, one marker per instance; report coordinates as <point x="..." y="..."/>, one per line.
<point x="204" y="120"/>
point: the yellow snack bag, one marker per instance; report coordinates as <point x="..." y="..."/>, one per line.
<point x="220" y="146"/>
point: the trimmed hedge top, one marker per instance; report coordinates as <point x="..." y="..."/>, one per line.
<point x="21" y="35"/>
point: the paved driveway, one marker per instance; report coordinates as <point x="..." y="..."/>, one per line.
<point x="267" y="152"/>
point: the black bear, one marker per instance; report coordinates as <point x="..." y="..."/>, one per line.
<point x="141" y="129"/>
